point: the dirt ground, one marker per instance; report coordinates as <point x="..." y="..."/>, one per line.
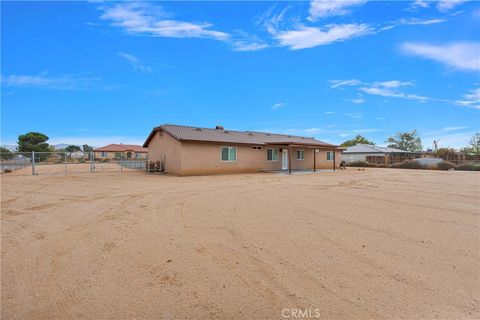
<point x="372" y="244"/>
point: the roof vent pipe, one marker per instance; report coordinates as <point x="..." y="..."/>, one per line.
<point x="219" y="127"/>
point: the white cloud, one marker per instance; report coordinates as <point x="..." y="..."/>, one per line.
<point x="453" y="128"/>
<point x="152" y="20"/>
<point x="425" y="22"/>
<point x="143" y="18"/>
<point x="358" y="100"/>
<point x="329" y="112"/>
<point x="135" y="62"/>
<point x="446" y="5"/>
<point x="442" y="5"/>
<point x="392" y="84"/>
<point x="419" y="4"/>
<point x="326" y="8"/>
<point x="392" y="93"/>
<point x="250" y="43"/>
<point x="471" y="99"/>
<point x="391" y="88"/>
<point x="395" y="89"/>
<point x="279" y="105"/>
<point x="340" y="83"/>
<point x="308" y="37"/>
<point x="44" y="80"/>
<point x="458" y="55"/>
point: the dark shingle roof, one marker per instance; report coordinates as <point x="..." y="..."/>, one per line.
<point x="185" y="133"/>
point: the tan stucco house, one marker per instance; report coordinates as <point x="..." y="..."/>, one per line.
<point x="121" y="151"/>
<point x="192" y="150"/>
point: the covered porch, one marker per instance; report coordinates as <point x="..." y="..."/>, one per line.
<point x="304" y="158"/>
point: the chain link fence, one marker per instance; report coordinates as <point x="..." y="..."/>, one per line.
<point x="39" y="163"/>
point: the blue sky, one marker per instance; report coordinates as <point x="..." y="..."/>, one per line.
<point x="107" y="72"/>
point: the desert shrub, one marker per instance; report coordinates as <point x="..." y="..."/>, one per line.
<point x="7" y="171"/>
<point x="470" y="166"/>
<point x="361" y="164"/>
<point x="408" y="164"/>
<point x="445" y="165"/>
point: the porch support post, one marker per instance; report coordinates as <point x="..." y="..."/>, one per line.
<point x="289" y="159"/>
<point x="314" y="160"/>
<point x="334" y="160"/>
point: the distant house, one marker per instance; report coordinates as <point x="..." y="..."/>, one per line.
<point x="121" y="151"/>
<point x="191" y="150"/>
<point x="77" y="155"/>
<point x="375" y="154"/>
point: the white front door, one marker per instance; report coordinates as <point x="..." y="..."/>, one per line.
<point x="284" y="159"/>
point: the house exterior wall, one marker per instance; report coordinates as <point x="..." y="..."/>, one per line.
<point x="164" y="147"/>
<point x="205" y="158"/>
<point x="353" y="157"/>
<point x="197" y="158"/>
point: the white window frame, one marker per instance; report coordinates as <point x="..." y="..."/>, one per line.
<point x="273" y="158"/>
<point x="302" y="152"/>
<point x="229" y="148"/>
<point x="104" y="154"/>
<point x="331" y="157"/>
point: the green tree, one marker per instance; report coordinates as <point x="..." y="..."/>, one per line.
<point x="33" y="141"/>
<point x="475" y="144"/>
<point x="357" y="140"/>
<point x="408" y="141"/>
<point x="5" y="154"/>
<point x="446" y="153"/>
<point x="86" y="148"/>
<point x="72" y="148"/>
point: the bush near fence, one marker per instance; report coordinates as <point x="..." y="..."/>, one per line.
<point x="361" y="164"/>
<point x="470" y="166"/>
<point x="409" y="164"/>
<point x="446" y="165"/>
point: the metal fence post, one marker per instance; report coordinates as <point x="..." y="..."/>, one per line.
<point x="33" y="163"/>
<point x="65" y="155"/>
<point x="91" y="162"/>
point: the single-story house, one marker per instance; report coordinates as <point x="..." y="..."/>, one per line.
<point x="121" y="151"/>
<point x="191" y="150"/>
<point x="376" y="154"/>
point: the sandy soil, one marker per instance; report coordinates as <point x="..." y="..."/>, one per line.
<point x="379" y="243"/>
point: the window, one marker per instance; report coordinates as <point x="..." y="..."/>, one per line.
<point x="137" y="155"/>
<point x="272" y="154"/>
<point x="256" y="148"/>
<point x="329" y="155"/>
<point x="229" y="153"/>
<point x="300" y="155"/>
<point x="118" y="155"/>
<point x="104" y="154"/>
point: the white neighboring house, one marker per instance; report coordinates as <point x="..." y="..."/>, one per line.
<point x="77" y="154"/>
<point x="360" y="152"/>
